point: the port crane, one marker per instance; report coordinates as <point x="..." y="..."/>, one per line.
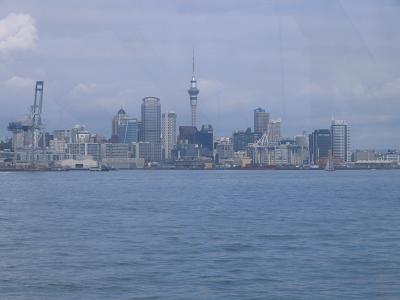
<point x="259" y="150"/>
<point x="36" y="117"/>
<point x="31" y="126"/>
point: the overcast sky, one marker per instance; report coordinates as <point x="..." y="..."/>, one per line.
<point x="304" y="61"/>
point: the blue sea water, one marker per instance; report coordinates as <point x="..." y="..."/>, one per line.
<point x="200" y="235"/>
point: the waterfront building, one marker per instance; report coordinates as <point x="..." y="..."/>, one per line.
<point x="62" y="134"/>
<point x="151" y="120"/>
<point x="80" y="135"/>
<point x="242" y="138"/>
<point x="376" y="164"/>
<point x="340" y="141"/>
<point x="119" y="156"/>
<point x="241" y="159"/>
<point x="6" y="158"/>
<point x="114" y="150"/>
<point x="57" y="145"/>
<point x="82" y="150"/>
<point x="302" y="140"/>
<point x="22" y="134"/>
<point x="364" y="155"/>
<point x="186" y="152"/>
<point x="149" y="152"/>
<point x="224" y="150"/>
<point x="168" y="134"/>
<point x="44" y="139"/>
<point x="274" y="131"/>
<point x="206" y="140"/>
<point x="114" y="124"/>
<point x="261" y="120"/>
<point x="319" y="146"/>
<point x="392" y="155"/>
<point x="203" y="138"/>
<point x="99" y="139"/>
<point x="279" y="155"/>
<point x="188" y="134"/>
<point x="140" y="131"/>
<point x="286" y="153"/>
<point x="151" y="126"/>
<point x="303" y="143"/>
<point x="20" y="140"/>
<point x="127" y="130"/>
<point x="6" y="144"/>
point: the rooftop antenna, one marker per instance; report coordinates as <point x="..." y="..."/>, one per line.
<point x="193" y="62"/>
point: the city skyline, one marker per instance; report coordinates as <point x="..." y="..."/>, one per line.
<point x="207" y="149"/>
<point x="353" y="76"/>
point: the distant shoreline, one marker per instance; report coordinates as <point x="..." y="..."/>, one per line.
<point x="194" y="169"/>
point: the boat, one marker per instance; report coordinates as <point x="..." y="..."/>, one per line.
<point x="100" y="169"/>
<point x="329" y="164"/>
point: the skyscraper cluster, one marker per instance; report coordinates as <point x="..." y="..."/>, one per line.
<point x="156" y="140"/>
<point x="334" y="141"/>
<point x="124" y="128"/>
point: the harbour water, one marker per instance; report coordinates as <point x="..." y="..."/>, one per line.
<point x="200" y="235"/>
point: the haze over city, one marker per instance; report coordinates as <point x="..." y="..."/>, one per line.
<point x="211" y="149"/>
<point x="305" y="62"/>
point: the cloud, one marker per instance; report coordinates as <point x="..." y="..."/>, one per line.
<point x="302" y="61"/>
<point x="211" y="85"/>
<point x="18" y="82"/>
<point x="17" y="32"/>
<point x="391" y="89"/>
<point x="85" y="97"/>
<point x="82" y="90"/>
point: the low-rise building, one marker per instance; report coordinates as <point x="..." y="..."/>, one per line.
<point x="77" y="151"/>
<point x="364" y="155"/>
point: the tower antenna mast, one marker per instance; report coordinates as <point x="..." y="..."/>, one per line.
<point x="193" y="63"/>
<point x="193" y="92"/>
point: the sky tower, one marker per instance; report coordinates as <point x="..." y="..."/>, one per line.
<point x="193" y="92"/>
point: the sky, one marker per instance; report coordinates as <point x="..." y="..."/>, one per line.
<point x="303" y="61"/>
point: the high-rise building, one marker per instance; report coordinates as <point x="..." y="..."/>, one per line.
<point x="302" y="142"/>
<point x="224" y="149"/>
<point x="151" y="125"/>
<point x="261" y="120"/>
<point x="188" y="135"/>
<point x="206" y="140"/>
<point x="274" y="131"/>
<point x="62" y="134"/>
<point x="320" y="145"/>
<point x="187" y="152"/>
<point x="115" y="121"/>
<point x="242" y="138"/>
<point x="140" y="131"/>
<point x="340" y="135"/>
<point x="193" y="92"/>
<point x="151" y="120"/>
<point x="80" y="135"/>
<point x="127" y="130"/>
<point x="203" y="138"/>
<point x="168" y="133"/>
